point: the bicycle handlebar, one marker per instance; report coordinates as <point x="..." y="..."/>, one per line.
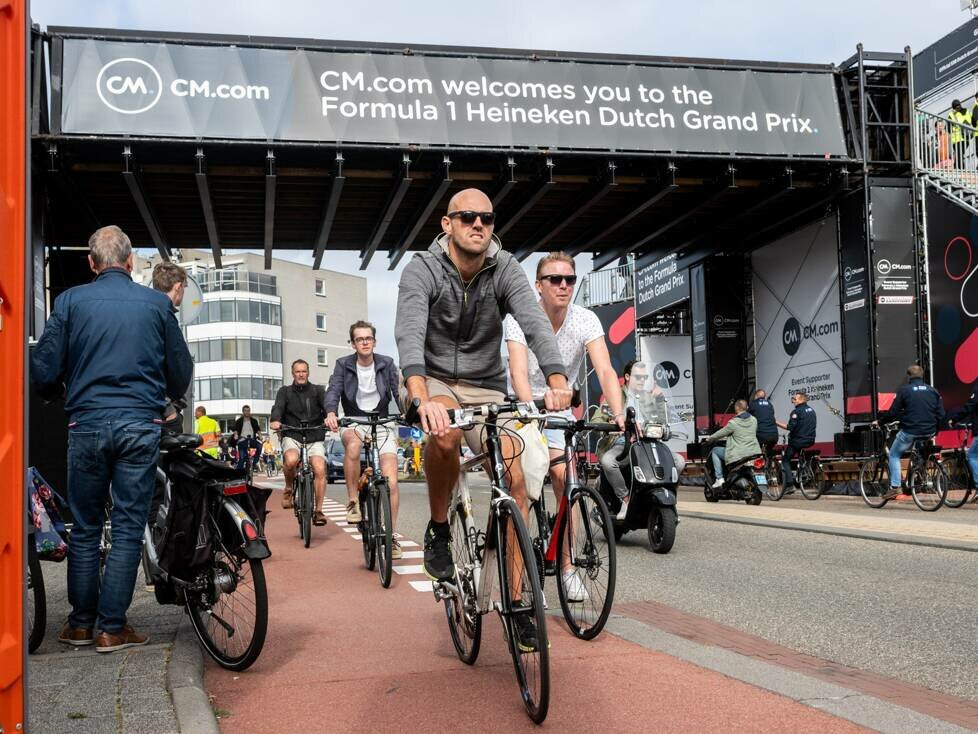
<point x="463" y="417"/>
<point x="301" y="429"/>
<point x="367" y="420"/>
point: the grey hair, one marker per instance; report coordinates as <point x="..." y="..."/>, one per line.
<point x="109" y="246"/>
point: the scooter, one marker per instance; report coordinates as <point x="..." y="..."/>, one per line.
<point x="742" y="480"/>
<point x="652" y="477"/>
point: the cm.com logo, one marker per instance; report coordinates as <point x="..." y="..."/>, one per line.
<point x="794" y="332"/>
<point x="129" y="86"/>
<point x="666" y="374"/>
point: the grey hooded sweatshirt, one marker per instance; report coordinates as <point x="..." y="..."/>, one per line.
<point x="452" y="330"/>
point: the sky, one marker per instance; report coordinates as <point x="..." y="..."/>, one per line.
<point x="819" y="31"/>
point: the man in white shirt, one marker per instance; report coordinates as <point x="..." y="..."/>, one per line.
<point x="365" y="382"/>
<point x="578" y="331"/>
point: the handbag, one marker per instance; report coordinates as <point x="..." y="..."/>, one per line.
<point x="535" y="458"/>
<point x="45" y="517"/>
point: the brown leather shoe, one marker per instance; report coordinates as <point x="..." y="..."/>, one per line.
<point x="318" y="518"/>
<point x="112" y="641"/>
<point x="287" y="499"/>
<point x="76" y="636"/>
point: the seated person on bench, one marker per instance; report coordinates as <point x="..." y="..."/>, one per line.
<point x="741" y="435"/>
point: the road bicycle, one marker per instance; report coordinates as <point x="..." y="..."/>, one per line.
<point x="806" y="467"/>
<point x="303" y="485"/>
<point x="577" y="545"/>
<point x="960" y="481"/>
<point x="926" y="481"/>
<point x="377" y="525"/>
<point x="503" y="549"/>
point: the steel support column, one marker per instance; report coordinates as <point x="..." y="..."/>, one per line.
<point x="335" y="192"/>
<point x="435" y="195"/>
<point x="393" y="202"/>
<point x="270" y="184"/>
<point x="134" y="182"/>
<point x="204" y="189"/>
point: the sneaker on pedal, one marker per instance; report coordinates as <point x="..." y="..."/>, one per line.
<point x="892" y="493"/>
<point x="396" y="552"/>
<point x="287" y="499"/>
<point x="438" y="563"/>
<point x="526" y="633"/>
<point x="717" y="484"/>
<point x="574" y="589"/>
<point x="353" y="515"/>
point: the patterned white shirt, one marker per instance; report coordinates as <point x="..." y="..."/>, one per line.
<point x="580" y="328"/>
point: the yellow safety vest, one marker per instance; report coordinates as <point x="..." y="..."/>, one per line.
<point x="210" y="430"/>
<point x="957" y="134"/>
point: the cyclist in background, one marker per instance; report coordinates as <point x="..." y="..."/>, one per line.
<point x="970" y="410"/>
<point x="801" y="427"/>
<point x="767" y="427"/>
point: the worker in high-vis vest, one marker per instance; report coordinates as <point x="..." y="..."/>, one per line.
<point x="208" y="429"/>
<point x="958" y="140"/>
<point x="974" y="118"/>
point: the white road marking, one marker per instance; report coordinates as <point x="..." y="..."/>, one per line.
<point x="421" y="585"/>
<point x="408" y="570"/>
<point x="409" y="544"/>
<point x="412" y="554"/>
<point x="348" y="530"/>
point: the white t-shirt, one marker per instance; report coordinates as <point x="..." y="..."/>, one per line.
<point x="580" y="328"/>
<point x="367" y="395"/>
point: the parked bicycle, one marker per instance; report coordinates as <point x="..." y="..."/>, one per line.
<point x="503" y="549"/>
<point x="807" y="470"/>
<point x="303" y="485"/>
<point x="37" y="607"/>
<point x="577" y="545"/>
<point x="960" y="481"/>
<point x="926" y="479"/>
<point x="377" y="526"/>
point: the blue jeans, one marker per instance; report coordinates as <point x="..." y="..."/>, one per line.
<point x="973" y="460"/>
<point x="789" y="453"/>
<point x="717" y="455"/>
<point x="244" y="445"/>
<point x="117" y="456"/>
<point x="901" y="444"/>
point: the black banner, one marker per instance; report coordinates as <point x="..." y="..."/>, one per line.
<point x="951" y="56"/>
<point x="701" y="362"/>
<point x="659" y="285"/>
<point x="857" y="305"/>
<point x="232" y="91"/>
<point x="953" y="289"/>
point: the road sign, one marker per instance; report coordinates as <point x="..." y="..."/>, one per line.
<point x="416" y="434"/>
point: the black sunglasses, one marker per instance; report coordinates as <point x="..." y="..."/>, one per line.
<point x="467" y="216"/>
<point x="556" y="279"/>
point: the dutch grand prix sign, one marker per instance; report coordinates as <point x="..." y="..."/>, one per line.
<point x="199" y="92"/>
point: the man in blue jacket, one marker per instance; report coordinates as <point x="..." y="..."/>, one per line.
<point x="767" y="427"/>
<point x="969" y="411"/>
<point x="920" y="410"/>
<point x="116" y="347"/>
<point x="801" y="427"/>
<point x="365" y="382"/>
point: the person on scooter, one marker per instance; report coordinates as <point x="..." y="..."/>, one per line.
<point x="801" y="434"/>
<point x="741" y="435"/>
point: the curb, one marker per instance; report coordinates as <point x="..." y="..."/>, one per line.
<point x="185" y="682"/>
<point x="959" y="545"/>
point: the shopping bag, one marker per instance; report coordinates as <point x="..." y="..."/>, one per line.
<point x="535" y="458"/>
<point x="42" y="508"/>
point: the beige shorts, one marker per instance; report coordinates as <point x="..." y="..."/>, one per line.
<point x="386" y="435"/>
<point x="315" y="449"/>
<point x="465" y="395"/>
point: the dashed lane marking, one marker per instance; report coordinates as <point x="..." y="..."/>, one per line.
<point x="348" y="530"/>
<point x="408" y="570"/>
<point x="424" y="586"/>
<point x="412" y="554"/>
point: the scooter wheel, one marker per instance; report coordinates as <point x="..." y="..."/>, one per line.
<point x="709" y="495"/>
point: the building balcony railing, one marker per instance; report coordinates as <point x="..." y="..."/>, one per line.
<point x="239" y="280"/>
<point x="607" y="286"/>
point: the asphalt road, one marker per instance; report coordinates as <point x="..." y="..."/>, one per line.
<point x="903" y="611"/>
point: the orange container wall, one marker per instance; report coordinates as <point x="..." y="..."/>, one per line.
<point x="13" y="219"/>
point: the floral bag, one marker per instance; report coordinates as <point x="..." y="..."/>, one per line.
<point x="45" y="518"/>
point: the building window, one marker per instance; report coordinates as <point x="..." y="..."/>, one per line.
<point x="320" y="322"/>
<point x="216" y="350"/>
<point x="254" y="312"/>
<point x="321" y="358"/>
<point x="236" y="388"/>
<point x="320" y="287"/>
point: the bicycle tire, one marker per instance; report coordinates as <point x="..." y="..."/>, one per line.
<point x="297" y="502"/>
<point x="958" y="480"/>
<point x="773" y="491"/>
<point x="368" y="538"/>
<point x="811" y="486"/>
<point x="308" y="499"/>
<point x="384" y="539"/>
<point x="464" y="620"/>
<point x="874" y="482"/>
<point x="593" y="546"/>
<point x="929" y="485"/>
<point x="37" y="600"/>
<point x="212" y="635"/>
<point x="536" y="522"/>
<point x="532" y="667"/>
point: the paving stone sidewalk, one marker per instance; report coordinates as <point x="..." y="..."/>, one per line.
<point x="79" y="690"/>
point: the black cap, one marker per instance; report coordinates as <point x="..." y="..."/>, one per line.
<point x="956" y="103"/>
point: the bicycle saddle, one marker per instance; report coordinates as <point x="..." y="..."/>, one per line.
<point x="177" y="441"/>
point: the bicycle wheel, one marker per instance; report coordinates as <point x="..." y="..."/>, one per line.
<point x="308" y="498"/>
<point x="929" y="485"/>
<point x="297" y="502"/>
<point x="535" y="526"/>
<point x="464" y="620"/>
<point x="958" y="480"/>
<point x="874" y="482"/>
<point x="775" y="487"/>
<point x="37" y="604"/>
<point x="517" y="575"/>
<point x="231" y="616"/>
<point x="586" y="562"/>
<point x="368" y="536"/>
<point x="384" y="528"/>
<point x="810" y="479"/>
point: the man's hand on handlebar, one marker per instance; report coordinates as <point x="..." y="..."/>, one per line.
<point x="558" y="398"/>
<point x="332" y="423"/>
<point x="434" y="418"/>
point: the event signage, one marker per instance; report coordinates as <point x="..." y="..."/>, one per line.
<point x="211" y="91"/>
<point x="953" y="55"/>
<point x="670" y="363"/>
<point x="797" y="334"/>
<point x="660" y="285"/>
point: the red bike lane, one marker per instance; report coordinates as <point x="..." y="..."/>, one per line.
<point x="344" y="654"/>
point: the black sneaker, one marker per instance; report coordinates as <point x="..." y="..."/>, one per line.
<point x="526" y="633"/>
<point x="438" y="563"/>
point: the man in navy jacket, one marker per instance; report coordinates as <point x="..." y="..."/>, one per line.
<point x="116" y="348"/>
<point x="365" y="382"/>
<point x="969" y="411"/>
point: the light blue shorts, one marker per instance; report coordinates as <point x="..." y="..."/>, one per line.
<point x="555" y="436"/>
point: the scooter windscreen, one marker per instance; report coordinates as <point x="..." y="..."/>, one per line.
<point x="650" y="392"/>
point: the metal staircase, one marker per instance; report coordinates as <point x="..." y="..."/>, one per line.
<point x="946" y="158"/>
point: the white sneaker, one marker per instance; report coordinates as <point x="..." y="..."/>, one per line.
<point x="717" y="484"/>
<point x="622" y="512"/>
<point x="573" y="587"/>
